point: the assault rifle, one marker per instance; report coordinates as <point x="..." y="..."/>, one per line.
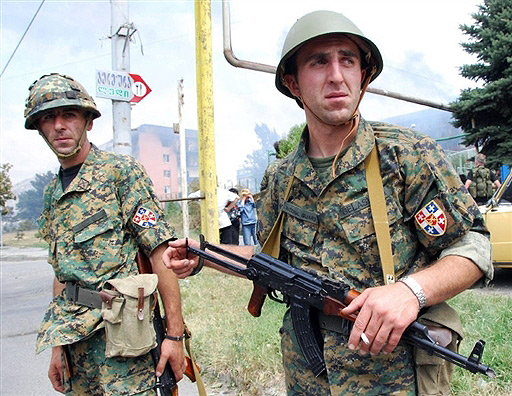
<point x="165" y="384"/>
<point x="302" y="290"/>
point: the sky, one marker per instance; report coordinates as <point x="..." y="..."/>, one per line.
<point x="419" y="42"/>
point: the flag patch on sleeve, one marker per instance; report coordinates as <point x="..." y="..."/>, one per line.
<point x="432" y="219"/>
<point x="144" y="217"/>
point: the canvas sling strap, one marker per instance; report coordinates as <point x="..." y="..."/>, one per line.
<point x="272" y="245"/>
<point x="197" y="376"/>
<point x="379" y="214"/>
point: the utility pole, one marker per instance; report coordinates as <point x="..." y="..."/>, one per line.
<point x="183" y="157"/>
<point x="207" y="164"/>
<point x="121" y="31"/>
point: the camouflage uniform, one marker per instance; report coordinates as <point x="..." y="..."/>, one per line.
<point x="328" y="228"/>
<point x="93" y="236"/>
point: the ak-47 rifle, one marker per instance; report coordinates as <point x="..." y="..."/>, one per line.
<point x="165" y="384"/>
<point x="302" y="290"/>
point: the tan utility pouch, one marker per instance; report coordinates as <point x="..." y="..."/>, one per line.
<point x="433" y="374"/>
<point x="127" y="310"/>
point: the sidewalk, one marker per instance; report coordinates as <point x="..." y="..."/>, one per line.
<point x="12" y="253"/>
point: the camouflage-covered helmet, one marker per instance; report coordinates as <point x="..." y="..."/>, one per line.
<point x="319" y="23"/>
<point x="56" y="90"/>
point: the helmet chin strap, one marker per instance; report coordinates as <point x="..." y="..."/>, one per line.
<point x="354" y="120"/>
<point x="78" y="146"/>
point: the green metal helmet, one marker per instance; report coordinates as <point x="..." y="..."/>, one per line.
<point x="56" y="90"/>
<point x="319" y="23"/>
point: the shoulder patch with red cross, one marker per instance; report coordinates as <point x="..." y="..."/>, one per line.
<point x="145" y="217"/>
<point x="432" y="219"/>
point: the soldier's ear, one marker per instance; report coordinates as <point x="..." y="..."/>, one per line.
<point x="290" y="81"/>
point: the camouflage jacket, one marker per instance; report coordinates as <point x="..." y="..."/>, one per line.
<point x="94" y="230"/>
<point x="329" y="228"/>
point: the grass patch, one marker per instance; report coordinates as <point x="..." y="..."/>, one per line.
<point x="28" y="239"/>
<point x="485" y="316"/>
<point x="230" y="345"/>
<point x="233" y="347"/>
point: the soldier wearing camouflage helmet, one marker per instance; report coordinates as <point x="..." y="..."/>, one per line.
<point x="56" y="91"/>
<point x="93" y="222"/>
<point x="319" y="197"/>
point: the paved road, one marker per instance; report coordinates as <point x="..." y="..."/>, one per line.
<point x="26" y="284"/>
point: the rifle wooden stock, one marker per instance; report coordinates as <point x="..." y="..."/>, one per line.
<point x="189" y="370"/>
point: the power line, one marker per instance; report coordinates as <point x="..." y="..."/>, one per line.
<point x="22" y="37"/>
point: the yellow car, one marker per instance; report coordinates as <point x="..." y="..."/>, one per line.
<point x="498" y="218"/>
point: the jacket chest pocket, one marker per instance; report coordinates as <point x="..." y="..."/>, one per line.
<point x="300" y="225"/>
<point x="359" y="225"/>
<point x="96" y="233"/>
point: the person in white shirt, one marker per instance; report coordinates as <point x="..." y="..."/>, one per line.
<point x="226" y="200"/>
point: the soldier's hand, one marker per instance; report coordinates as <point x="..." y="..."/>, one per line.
<point x="56" y="371"/>
<point x="175" y="257"/>
<point x="384" y="314"/>
<point x="172" y="352"/>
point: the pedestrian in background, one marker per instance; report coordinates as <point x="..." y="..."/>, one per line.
<point x="234" y="216"/>
<point x="249" y="219"/>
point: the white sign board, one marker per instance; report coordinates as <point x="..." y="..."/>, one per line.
<point x="116" y="85"/>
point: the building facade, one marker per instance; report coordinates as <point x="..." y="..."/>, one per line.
<point x="158" y="149"/>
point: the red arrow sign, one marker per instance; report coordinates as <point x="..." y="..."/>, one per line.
<point x="139" y="88"/>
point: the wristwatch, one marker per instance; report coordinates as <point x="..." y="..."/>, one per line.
<point x="416" y="289"/>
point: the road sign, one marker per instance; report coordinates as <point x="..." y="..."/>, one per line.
<point x="122" y="86"/>
<point x="139" y="88"/>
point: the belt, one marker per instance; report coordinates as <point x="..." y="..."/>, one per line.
<point x="82" y="296"/>
<point x="334" y="323"/>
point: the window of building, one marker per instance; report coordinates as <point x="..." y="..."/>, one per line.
<point x="166" y="157"/>
<point x="167" y="173"/>
<point x="167" y="189"/>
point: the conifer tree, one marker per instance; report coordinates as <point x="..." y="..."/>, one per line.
<point x="485" y="113"/>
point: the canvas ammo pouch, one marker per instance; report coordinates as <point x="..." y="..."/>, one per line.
<point x="433" y="374"/>
<point x="127" y="310"/>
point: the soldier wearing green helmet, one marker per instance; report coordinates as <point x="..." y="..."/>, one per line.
<point x="99" y="211"/>
<point x="328" y="222"/>
<point x="326" y="66"/>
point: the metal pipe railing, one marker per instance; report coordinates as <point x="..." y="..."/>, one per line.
<point x="234" y="61"/>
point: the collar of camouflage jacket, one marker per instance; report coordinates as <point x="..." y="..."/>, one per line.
<point x="355" y="154"/>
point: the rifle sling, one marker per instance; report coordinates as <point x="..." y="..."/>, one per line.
<point x="379" y="214"/>
<point x="272" y="245"/>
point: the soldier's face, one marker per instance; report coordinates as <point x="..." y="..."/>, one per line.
<point x="63" y="128"/>
<point x="329" y="78"/>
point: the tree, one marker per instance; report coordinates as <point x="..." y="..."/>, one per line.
<point x="30" y="203"/>
<point x="288" y="144"/>
<point x="5" y="188"/>
<point x="485" y="113"/>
